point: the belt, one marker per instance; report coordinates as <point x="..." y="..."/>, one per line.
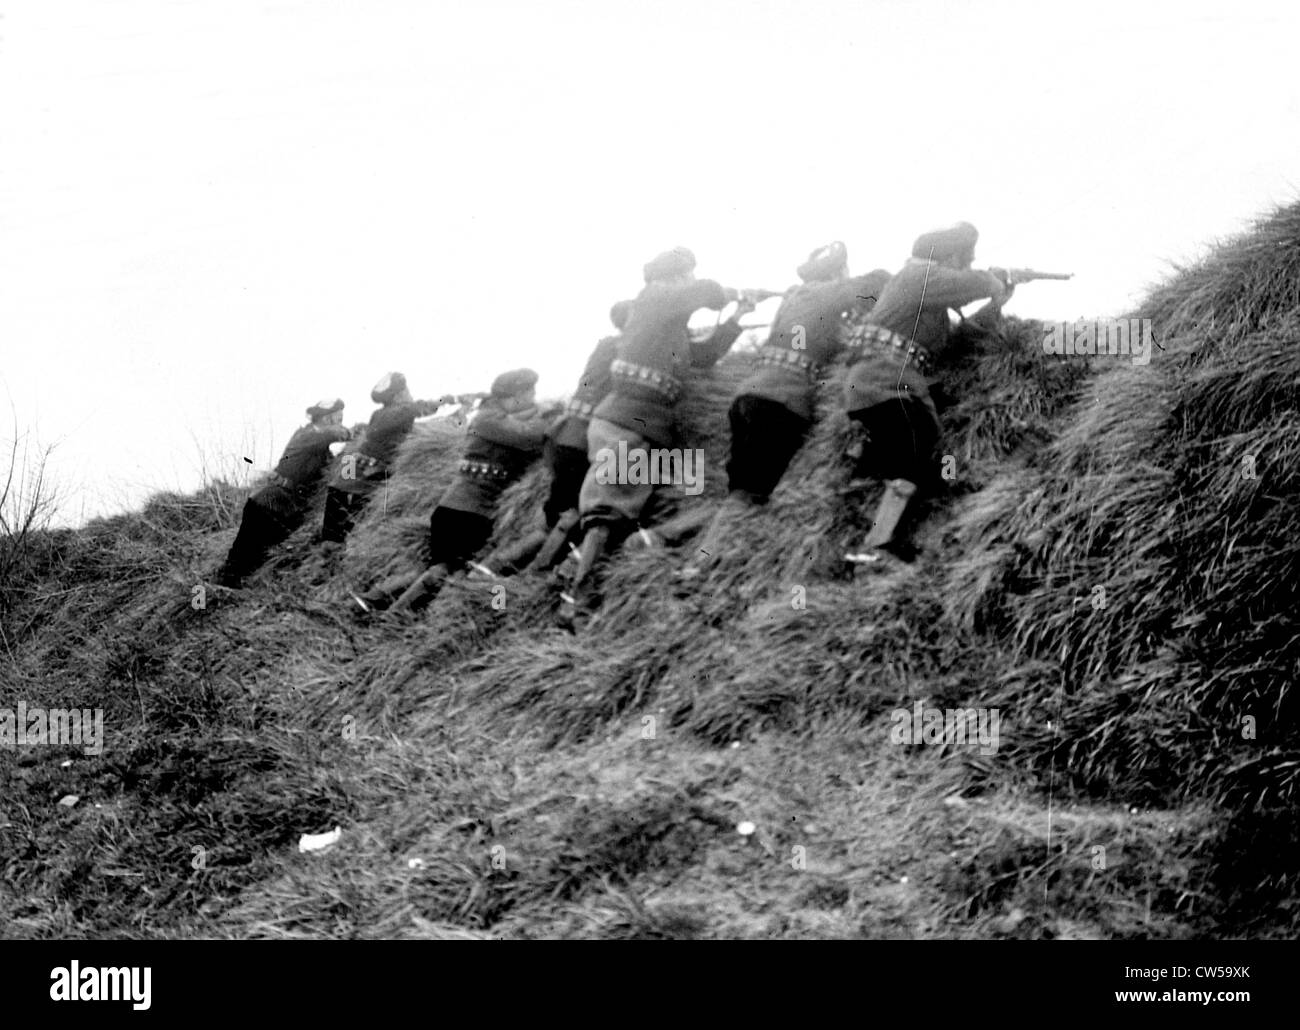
<point x="662" y="383"/>
<point x="583" y="409"/>
<point x="483" y="470"/>
<point x="878" y="339"/>
<point x="783" y="358"/>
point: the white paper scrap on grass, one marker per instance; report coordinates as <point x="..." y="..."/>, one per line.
<point x="319" y="841"/>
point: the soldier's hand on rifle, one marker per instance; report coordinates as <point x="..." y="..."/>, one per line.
<point x="1008" y="285"/>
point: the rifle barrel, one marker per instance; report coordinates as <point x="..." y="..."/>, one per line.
<point x="1026" y="275"/>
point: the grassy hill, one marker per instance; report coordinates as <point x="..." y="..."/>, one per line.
<point x="496" y="777"/>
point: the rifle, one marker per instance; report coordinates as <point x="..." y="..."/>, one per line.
<point x="699" y="332"/>
<point x="754" y="296"/>
<point x="1016" y="276"/>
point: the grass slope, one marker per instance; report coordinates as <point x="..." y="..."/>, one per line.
<point x="494" y="777"/>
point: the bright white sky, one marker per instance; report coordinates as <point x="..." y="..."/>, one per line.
<point x="213" y="213"/>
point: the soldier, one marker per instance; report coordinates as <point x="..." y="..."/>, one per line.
<point x="565" y="455"/>
<point x="504" y="439"/>
<point x="365" y="471"/>
<point x="773" y="408"/>
<point x="893" y="359"/>
<point x="639" y="412"/>
<point x="277" y="509"/>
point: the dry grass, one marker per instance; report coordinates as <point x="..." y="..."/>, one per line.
<point x="551" y="785"/>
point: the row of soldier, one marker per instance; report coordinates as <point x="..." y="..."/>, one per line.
<point x="627" y="398"/>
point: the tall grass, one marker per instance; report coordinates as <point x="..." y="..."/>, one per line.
<point x="1102" y="571"/>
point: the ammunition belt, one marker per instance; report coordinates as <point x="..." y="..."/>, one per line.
<point x="662" y="383"/>
<point x="879" y="340"/>
<point x="483" y="470"/>
<point x="583" y="409"/>
<point x="782" y="357"/>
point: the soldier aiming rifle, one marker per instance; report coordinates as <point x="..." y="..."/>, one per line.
<point x="653" y="360"/>
<point x="367" y="470"/>
<point x="896" y="358"/>
<point x="773" y="408"/>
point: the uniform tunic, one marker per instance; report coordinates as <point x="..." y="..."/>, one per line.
<point x="304" y="458"/>
<point x="570" y="429"/>
<point x="914" y="304"/>
<point x="640" y="410"/>
<point x="388" y="427"/>
<point x="655" y="338"/>
<point x="808" y="326"/>
<point x="277" y="509"/>
<point x="499" y="449"/>
<point x="773" y="408"/>
<point x="887" y="392"/>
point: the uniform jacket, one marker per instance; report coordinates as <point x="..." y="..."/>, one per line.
<point x="499" y="449"/>
<point x="570" y="429"/>
<point x="388" y="427"/>
<point x="914" y="304"/>
<point x="656" y="338"/>
<point x="305" y="457"/>
<point x="812" y="315"/>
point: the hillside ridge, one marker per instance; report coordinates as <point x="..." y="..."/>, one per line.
<point x="496" y="777"/>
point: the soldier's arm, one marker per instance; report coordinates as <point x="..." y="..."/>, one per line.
<point x="954" y="288"/>
<point x="706" y="353"/>
<point x="704" y="293"/>
<point x="419" y="409"/>
<point x="989" y="315"/>
<point x="862" y="292"/>
<point x="523" y="434"/>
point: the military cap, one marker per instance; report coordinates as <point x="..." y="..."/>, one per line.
<point x="508" y="384"/>
<point x="824" y="262"/>
<point x="669" y="264"/>
<point x="388" y="388"/>
<point x="945" y="243"/>
<point x="620" y="312"/>
<point x="325" y="406"/>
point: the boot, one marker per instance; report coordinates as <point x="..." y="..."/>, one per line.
<point x="422" y="591"/>
<point x="381" y="595"/>
<point x="898" y="494"/>
<point x="593" y="546"/>
<point x="555" y="547"/>
<point x="506" y="561"/>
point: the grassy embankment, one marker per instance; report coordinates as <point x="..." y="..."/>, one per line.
<point x="553" y="785"/>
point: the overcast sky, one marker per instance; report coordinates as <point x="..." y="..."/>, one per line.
<point x="213" y="213"/>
